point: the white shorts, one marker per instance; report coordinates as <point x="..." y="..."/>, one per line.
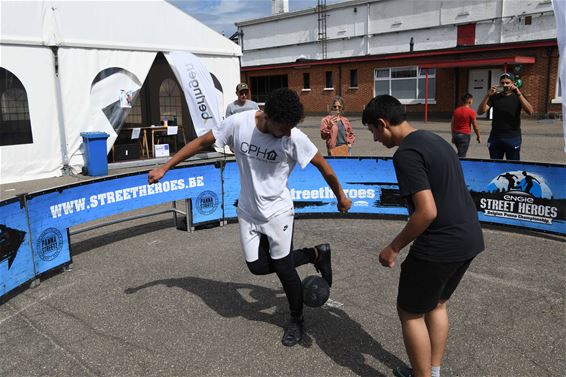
<point x="279" y="232"/>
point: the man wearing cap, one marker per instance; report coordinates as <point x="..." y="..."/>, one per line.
<point x="507" y="101"/>
<point x="242" y="103"/>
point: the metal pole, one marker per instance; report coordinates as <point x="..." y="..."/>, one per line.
<point x="174" y="206"/>
<point x="61" y="120"/>
<point x="189" y="214"/>
<point x="426" y="97"/>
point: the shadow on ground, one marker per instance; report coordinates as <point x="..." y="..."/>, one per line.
<point x="101" y="240"/>
<point x="338" y="336"/>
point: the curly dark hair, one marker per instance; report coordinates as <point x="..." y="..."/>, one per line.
<point x="284" y="106"/>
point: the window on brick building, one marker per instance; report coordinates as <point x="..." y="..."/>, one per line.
<point x="408" y="84"/>
<point x="306" y="81"/>
<point x="558" y="95"/>
<point x="15" y="125"/>
<point x="263" y="85"/>
<point x="328" y="81"/>
<point x="353" y="78"/>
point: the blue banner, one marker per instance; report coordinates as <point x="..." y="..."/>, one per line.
<point x="519" y="194"/>
<point x="52" y="212"/>
<point x="16" y="256"/>
<point x="81" y="203"/>
<point x="231" y="181"/>
<point x="370" y="183"/>
<point x="527" y="195"/>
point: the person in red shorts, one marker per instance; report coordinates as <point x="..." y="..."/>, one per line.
<point x="463" y="119"/>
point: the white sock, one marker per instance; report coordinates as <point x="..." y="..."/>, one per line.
<point x="436" y="371"/>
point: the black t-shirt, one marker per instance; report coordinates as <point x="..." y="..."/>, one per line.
<point x="506" y="115"/>
<point x="425" y="161"/>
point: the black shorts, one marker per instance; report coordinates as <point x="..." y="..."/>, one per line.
<point x="423" y="284"/>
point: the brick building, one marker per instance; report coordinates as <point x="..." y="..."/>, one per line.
<point x="358" y="49"/>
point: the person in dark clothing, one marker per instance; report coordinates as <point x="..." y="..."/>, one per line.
<point x="507" y="102"/>
<point x="443" y="226"/>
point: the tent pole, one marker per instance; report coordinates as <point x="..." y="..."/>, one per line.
<point x="66" y="169"/>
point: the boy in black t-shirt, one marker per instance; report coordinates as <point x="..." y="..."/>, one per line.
<point x="443" y="224"/>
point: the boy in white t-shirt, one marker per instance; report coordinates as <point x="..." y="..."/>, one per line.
<point x="267" y="147"/>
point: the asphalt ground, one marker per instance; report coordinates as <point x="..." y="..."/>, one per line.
<point x="146" y="299"/>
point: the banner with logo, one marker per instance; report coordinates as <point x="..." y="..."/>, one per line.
<point x="527" y="195"/>
<point x="52" y="212"/>
<point x="16" y="256"/>
<point x="199" y="90"/>
<point x="80" y="203"/>
<point x="34" y="230"/>
<point x="370" y="183"/>
<point x="37" y="241"/>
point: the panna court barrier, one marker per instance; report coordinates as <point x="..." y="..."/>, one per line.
<point x="515" y="194"/>
<point x="34" y="228"/>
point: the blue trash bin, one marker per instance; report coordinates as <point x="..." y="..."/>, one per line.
<point x="96" y="161"/>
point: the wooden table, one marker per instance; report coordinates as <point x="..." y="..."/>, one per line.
<point x="154" y="131"/>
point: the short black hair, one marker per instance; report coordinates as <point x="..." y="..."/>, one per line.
<point x="465" y="97"/>
<point x="284" y="106"/>
<point x="384" y="107"/>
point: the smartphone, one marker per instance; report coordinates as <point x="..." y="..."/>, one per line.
<point x="500" y="89"/>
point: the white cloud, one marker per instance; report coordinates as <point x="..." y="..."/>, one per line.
<point x="221" y="15"/>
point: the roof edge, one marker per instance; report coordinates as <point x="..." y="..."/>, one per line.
<point x="405" y="55"/>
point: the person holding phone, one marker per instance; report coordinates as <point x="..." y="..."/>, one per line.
<point x="335" y="129"/>
<point x="507" y="102"/>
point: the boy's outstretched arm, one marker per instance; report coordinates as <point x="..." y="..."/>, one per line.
<point x="200" y="143"/>
<point x="330" y="177"/>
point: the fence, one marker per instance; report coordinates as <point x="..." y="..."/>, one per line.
<point x="34" y="228"/>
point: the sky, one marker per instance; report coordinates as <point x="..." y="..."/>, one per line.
<point x="220" y="15"/>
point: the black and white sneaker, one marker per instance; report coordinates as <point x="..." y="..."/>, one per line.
<point x="323" y="262"/>
<point x="293" y="333"/>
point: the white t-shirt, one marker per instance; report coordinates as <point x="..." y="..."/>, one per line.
<point x="235" y="107"/>
<point x="265" y="163"/>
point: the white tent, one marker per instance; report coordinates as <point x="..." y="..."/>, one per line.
<point x="56" y="49"/>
